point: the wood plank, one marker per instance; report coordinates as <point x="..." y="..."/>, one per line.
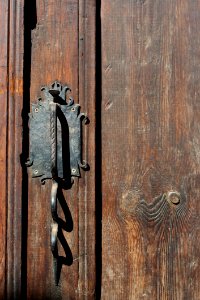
<point x="11" y="74"/>
<point x="150" y="146"/>
<point x="63" y="49"/>
<point x="14" y="149"/>
<point x="3" y="138"/>
<point x="87" y="190"/>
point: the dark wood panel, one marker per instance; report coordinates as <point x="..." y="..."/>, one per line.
<point x="63" y="49"/>
<point x="150" y="139"/>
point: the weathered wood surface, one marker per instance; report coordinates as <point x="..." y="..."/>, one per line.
<point x="3" y="138"/>
<point x="11" y="99"/>
<point x="63" y="49"/>
<point x="151" y="144"/>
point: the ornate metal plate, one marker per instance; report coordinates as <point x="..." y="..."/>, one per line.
<point x="69" y="121"/>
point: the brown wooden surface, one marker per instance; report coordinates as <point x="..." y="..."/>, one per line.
<point x="63" y="49"/>
<point x="3" y="138"/>
<point x="150" y="145"/>
<point x="11" y="99"/>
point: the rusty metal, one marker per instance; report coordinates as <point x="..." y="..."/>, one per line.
<point x="55" y="146"/>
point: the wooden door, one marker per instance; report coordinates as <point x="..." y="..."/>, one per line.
<point x="150" y="148"/>
<point x="131" y="222"/>
<point x="44" y="41"/>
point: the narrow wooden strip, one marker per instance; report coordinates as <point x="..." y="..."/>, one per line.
<point x="87" y="235"/>
<point x="14" y="148"/>
<point x="4" y="8"/>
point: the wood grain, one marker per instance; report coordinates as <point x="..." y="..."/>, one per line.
<point x="63" y="49"/>
<point x="3" y="139"/>
<point x="11" y="95"/>
<point x="150" y="146"/>
<point x="14" y="149"/>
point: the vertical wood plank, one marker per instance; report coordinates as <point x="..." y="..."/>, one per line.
<point x="11" y="73"/>
<point x="14" y="148"/>
<point x="63" y="49"/>
<point x="54" y="57"/>
<point x="87" y="193"/>
<point x="3" y="138"/>
<point x="150" y="137"/>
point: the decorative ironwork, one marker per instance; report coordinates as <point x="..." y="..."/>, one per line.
<point x="68" y="134"/>
<point x="55" y="146"/>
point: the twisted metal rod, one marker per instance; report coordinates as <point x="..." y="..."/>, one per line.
<point x="53" y="133"/>
<point x="54" y="189"/>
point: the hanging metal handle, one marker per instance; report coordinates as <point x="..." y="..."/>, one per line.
<point x="54" y="229"/>
<point x="53" y="138"/>
<point x="54" y="189"/>
<point x="47" y="158"/>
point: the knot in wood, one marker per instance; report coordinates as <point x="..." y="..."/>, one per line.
<point x="174" y="197"/>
